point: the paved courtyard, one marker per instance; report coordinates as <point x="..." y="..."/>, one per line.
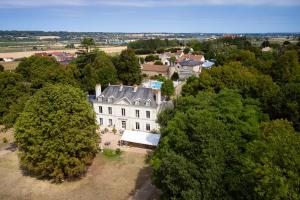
<point x="111" y="141"/>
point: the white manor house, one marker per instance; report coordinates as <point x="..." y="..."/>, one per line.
<point x="128" y="107"/>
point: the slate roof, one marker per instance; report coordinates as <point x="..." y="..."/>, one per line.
<point x="115" y="94"/>
<point x="190" y="63"/>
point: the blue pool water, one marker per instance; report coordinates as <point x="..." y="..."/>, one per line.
<point x="156" y="84"/>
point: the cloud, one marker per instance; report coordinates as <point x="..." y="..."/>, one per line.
<point x="141" y="3"/>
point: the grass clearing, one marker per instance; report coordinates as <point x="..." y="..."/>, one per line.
<point x="104" y="180"/>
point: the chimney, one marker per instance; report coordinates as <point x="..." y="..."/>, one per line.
<point x="98" y="90"/>
<point x="158" y="97"/>
<point x="135" y="87"/>
<point x="121" y="87"/>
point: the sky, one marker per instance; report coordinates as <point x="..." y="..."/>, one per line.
<point x="178" y="16"/>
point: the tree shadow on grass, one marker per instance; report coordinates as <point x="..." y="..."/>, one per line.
<point x="144" y="189"/>
<point x="26" y="172"/>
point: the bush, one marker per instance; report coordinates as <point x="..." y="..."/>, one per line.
<point x="4" y="140"/>
<point x="112" y="154"/>
<point x="158" y="62"/>
<point x="56" y="133"/>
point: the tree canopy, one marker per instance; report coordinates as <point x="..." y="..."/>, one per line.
<point x="56" y="133"/>
<point x="128" y="68"/>
<point x="95" y="67"/>
<point x="201" y="144"/>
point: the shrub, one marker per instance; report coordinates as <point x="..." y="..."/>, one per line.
<point x="4" y="140"/>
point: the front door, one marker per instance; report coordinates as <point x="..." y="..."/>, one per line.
<point x="124" y="124"/>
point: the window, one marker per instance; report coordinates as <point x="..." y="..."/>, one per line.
<point x="148" y="127"/>
<point x="137" y="113"/>
<point x="101" y="121"/>
<point x="100" y="109"/>
<point x="123" y="112"/>
<point x="148" y="114"/>
<point x="137" y="103"/>
<point x="124" y="124"/>
<point x="110" y="110"/>
<point x="109" y="100"/>
<point x="137" y="126"/>
<point x="110" y="122"/>
<point x="147" y="103"/>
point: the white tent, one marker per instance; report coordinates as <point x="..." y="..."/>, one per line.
<point x="140" y="137"/>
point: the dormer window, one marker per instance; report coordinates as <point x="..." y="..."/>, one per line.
<point x="137" y="103"/>
<point x="110" y="99"/>
<point x="100" y="98"/>
<point x="148" y="103"/>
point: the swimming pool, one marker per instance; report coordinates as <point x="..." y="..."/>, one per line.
<point x="156" y="84"/>
<point x="153" y="84"/>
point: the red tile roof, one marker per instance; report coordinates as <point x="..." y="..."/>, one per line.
<point x="155" y="68"/>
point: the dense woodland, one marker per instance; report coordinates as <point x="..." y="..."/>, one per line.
<point x="233" y="133"/>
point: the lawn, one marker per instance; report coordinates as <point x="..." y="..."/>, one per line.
<point x="105" y="179"/>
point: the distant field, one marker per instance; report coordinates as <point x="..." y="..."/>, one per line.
<point x="22" y="54"/>
<point x="10" y="65"/>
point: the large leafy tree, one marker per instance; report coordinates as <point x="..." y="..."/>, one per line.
<point x="271" y="164"/>
<point x="56" y="133"/>
<point x="201" y="144"/>
<point x="87" y="43"/>
<point x="13" y="95"/>
<point x="128" y="68"/>
<point x="95" y="67"/>
<point x="40" y="70"/>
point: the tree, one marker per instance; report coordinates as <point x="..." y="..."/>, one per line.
<point x="56" y="133"/>
<point x="167" y="88"/>
<point x="151" y="58"/>
<point x="128" y="68"/>
<point x="271" y="165"/>
<point x="158" y="62"/>
<point x="287" y="67"/>
<point x="1" y="68"/>
<point x="186" y="50"/>
<point x="265" y="43"/>
<point x="175" y="76"/>
<point x="13" y="95"/>
<point x="40" y="70"/>
<point x="88" y="43"/>
<point x="201" y="143"/>
<point x="173" y="60"/>
<point x="94" y="67"/>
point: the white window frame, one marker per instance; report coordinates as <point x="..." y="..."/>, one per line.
<point x="110" y="122"/>
<point x="101" y="122"/>
<point x="137" y="126"/>
<point x="100" y="109"/>
<point x="137" y="113"/>
<point x="148" y="126"/>
<point x="123" y="111"/>
<point x="109" y="110"/>
<point x="148" y="116"/>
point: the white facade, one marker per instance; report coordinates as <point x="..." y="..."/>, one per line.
<point x="129" y="120"/>
<point x="128" y="108"/>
